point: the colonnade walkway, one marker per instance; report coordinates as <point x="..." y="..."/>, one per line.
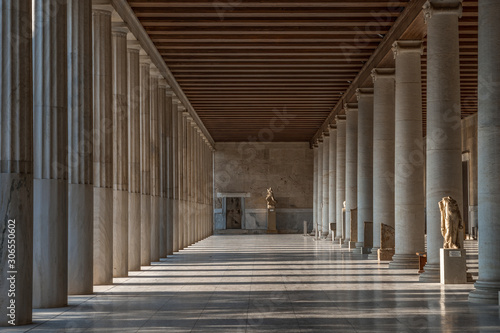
<point x="269" y="283"/>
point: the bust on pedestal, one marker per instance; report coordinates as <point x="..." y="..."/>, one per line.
<point x="271" y="212"/>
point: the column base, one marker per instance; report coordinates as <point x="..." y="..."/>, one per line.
<point x="404" y="261"/>
<point x="432" y="274"/>
<point x="374" y="253"/>
<point x="485" y="293"/>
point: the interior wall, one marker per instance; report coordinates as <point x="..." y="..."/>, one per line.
<point x="251" y="168"/>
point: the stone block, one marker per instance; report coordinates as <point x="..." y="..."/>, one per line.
<point x="385" y="254"/>
<point x="387" y="240"/>
<point x="368" y="240"/>
<point x="453" y="266"/>
<point x="271" y="221"/>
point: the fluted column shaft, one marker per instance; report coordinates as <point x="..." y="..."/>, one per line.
<point x="16" y="159"/>
<point x="145" y="137"/>
<point x="169" y="169"/>
<point x="383" y="152"/>
<point x="80" y="141"/>
<point x="120" y="152"/>
<point x="103" y="146"/>
<point x="320" y="187"/>
<point x="332" y="161"/>
<point x="182" y="175"/>
<point x="315" y="186"/>
<point x="175" y="176"/>
<point x="488" y="284"/>
<point x="326" y="192"/>
<point x="50" y="185"/>
<point x="409" y="156"/>
<point x="340" y="176"/>
<point x="164" y="118"/>
<point x="365" y="161"/>
<point x="134" y="157"/>
<point x="155" y="159"/>
<point x="444" y="146"/>
<point x="351" y="162"/>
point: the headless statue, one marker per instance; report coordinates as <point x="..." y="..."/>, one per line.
<point x="451" y="223"/>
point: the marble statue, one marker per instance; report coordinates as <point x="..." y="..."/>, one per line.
<point x="271" y="202"/>
<point x="451" y="223"/>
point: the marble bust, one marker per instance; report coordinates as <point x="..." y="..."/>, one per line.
<point x="451" y="223"/>
<point x="271" y="202"/>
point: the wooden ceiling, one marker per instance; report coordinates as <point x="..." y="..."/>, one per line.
<point x="257" y="70"/>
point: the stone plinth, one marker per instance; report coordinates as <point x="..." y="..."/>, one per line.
<point x="271" y="221"/>
<point x="453" y="266"/>
<point x="387" y="242"/>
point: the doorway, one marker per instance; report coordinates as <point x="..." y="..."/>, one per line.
<point x="233" y="213"/>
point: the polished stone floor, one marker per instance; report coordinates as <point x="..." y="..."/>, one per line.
<point x="269" y="283"/>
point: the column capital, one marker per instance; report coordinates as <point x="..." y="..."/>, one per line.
<point x="383" y="73"/>
<point x="119" y="28"/>
<point x="145" y="59"/>
<point x="163" y="84"/>
<point x="340" y="118"/>
<point x="430" y="8"/>
<point x="350" y="107"/>
<point x="133" y="44"/>
<point x="407" y="46"/>
<point x="176" y="99"/>
<point x="155" y="72"/>
<point x="169" y="91"/>
<point x="102" y="6"/>
<point x="364" y="92"/>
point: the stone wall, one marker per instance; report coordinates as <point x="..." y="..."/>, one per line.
<point x="251" y="168"/>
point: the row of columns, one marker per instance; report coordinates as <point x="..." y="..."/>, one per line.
<point x="102" y="168"/>
<point x="380" y="157"/>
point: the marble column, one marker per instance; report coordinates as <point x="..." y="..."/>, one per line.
<point x="175" y="173"/>
<point x="154" y="167"/>
<point x="182" y="175"/>
<point x="16" y="159"/>
<point x="169" y="169"/>
<point x="164" y="117"/>
<point x="326" y="192"/>
<point x="189" y="181"/>
<point x="365" y="161"/>
<point x="383" y="152"/>
<point x="50" y="155"/>
<point x="80" y="141"/>
<point x="103" y="146"/>
<point x="320" y="187"/>
<point x="332" y="161"/>
<point x="488" y="284"/>
<point x="351" y="167"/>
<point x="315" y="187"/>
<point x="340" y="176"/>
<point x="120" y="150"/>
<point x="444" y="147"/>
<point x="134" y="156"/>
<point x="409" y="156"/>
<point x="145" y="137"/>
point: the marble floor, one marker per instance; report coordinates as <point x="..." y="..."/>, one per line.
<point x="269" y="283"/>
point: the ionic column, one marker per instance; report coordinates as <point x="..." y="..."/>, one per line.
<point x="16" y="159"/>
<point x="365" y="161"/>
<point x="340" y="176"/>
<point x="164" y="117"/>
<point x="80" y="141"/>
<point x="351" y="166"/>
<point x="189" y="181"/>
<point x="332" y="161"/>
<point x="154" y="166"/>
<point x="325" y="168"/>
<point x="383" y="152"/>
<point x="315" y="187"/>
<point x="145" y="137"/>
<point x="103" y="146"/>
<point x="169" y="164"/>
<point x="488" y="284"/>
<point x="120" y="150"/>
<point x="409" y="156"/>
<point x="175" y="173"/>
<point x="320" y="187"/>
<point x="50" y="155"/>
<point x="134" y="156"/>
<point x="444" y="147"/>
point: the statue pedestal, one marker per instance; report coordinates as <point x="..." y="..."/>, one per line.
<point x="453" y="266"/>
<point x="271" y="221"/>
